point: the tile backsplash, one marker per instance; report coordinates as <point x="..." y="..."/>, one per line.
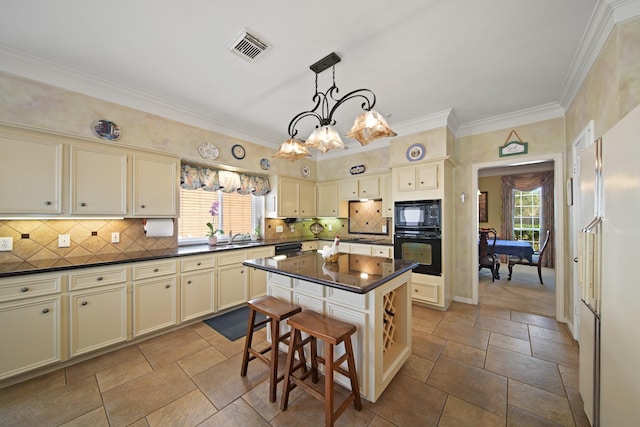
<point x="366" y="217"/>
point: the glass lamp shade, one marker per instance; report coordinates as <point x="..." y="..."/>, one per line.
<point x="324" y="138"/>
<point x="369" y="126"/>
<point x="292" y="149"/>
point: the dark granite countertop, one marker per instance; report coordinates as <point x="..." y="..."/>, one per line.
<point x="354" y="273"/>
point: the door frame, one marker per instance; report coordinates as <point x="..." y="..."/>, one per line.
<point x="558" y="201"/>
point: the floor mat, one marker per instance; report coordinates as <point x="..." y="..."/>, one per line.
<point x="233" y="324"/>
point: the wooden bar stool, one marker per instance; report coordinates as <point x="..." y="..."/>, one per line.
<point x="332" y="332"/>
<point x="275" y="310"/>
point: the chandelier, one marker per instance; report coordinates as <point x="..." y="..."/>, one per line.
<point x="367" y="127"/>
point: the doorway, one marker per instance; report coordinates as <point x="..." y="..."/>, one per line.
<point x="559" y="189"/>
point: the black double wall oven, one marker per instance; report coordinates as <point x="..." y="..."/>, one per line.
<point x="418" y="235"/>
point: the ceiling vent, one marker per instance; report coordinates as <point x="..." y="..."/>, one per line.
<point x="247" y="46"/>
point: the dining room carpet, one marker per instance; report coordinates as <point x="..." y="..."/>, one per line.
<point x="233" y="324"/>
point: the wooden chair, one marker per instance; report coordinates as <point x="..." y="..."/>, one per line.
<point x="537" y="258"/>
<point x="487" y="256"/>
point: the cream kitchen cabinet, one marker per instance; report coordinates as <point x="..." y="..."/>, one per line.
<point x="31" y="315"/>
<point x="428" y="289"/>
<point x="416" y="178"/>
<point x="257" y="277"/>
<point x="197" y="286"/>
<point x="310" y="246"/>
<point x="232" y="279"/>
<point x="358" y="188"/>
<point x="293" y="198"/>
<point x="99" y="308"/>
<point x="328" y="201"/>
<point x="387" y="196"/>
<point x="98" y="177"/>
<point x="155" y="185"/>
<point x="30" y="176"/>
<point x="155" y="296"/>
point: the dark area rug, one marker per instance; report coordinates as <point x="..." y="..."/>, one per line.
<point x="233" y="324"/>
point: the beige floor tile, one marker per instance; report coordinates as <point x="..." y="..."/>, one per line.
<point x="577" y="407"/>
<point x="464" y="353"/>
<point x="417" y="367"/>
<point x="477" y="386"/>
<point x="44" y="409"/>
<point x="168" y="351"/>
<point x="540" y="402"/>
<point x="380" y="422"/>
<point x="167" y="336"/>
<point x="95" y="418"/>
<point x="427" y="313"/>
<point x="222" y="383"/>
<point x="188" y="410"/>
<point x="510" y="343"/>
<point x="237" y="414"/>
<point x="569" y="376"/>
<point x="142" y="396"/>
<point x="457" y="412"/>
<point x="503" y="326"/>
<point x="107" y="361"/>
<point x="423" y="325"/>
<point x="516" y="417"/>
<point x="463" y="334"/>
<point x="226" y="347"/>
<point x="535" y="319"/>
<point x="530" y="370"/>
<point x="201" y="360"/>
<point x="421" y="406"/>
<point x="117" y="375"/>
<point x="562" y="354"/>
<point x="427" y="346"/>
<point x="258" y="398"/>
<point x="560" y="336"/>
<point x="142" y="422"/>
<point x="461" y="313"/>
<point x="30" y="388"/>
<point x="495" y="311"/>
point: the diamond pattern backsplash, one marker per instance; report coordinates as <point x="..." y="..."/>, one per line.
<point x="366" y="217"/>
<point x="88" y="237"/>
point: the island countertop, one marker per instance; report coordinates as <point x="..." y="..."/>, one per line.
<point x="354" y="273"/>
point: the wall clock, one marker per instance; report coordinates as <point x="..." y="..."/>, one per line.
<point x="238" y="151"/>
<point x="415" y="152"/>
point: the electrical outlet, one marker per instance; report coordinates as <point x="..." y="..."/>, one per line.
<point x="279" y="229"/>
<point x="330" y="227"/>
<point x="384" y="229"/>
<point x="115" y="237"/>
<point x="64" y="240"/>
<point x="6" y="244"/>
<point x="293" y="228"/>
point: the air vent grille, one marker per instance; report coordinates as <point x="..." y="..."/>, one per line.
<point x="247" y="46"/>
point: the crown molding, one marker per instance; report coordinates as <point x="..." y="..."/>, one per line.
<point x="432" y="121"/>
<point x="31" y="67"/>
<point x="517" y="118"/>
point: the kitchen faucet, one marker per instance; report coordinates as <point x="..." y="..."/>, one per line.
<point x="234" y="236"/>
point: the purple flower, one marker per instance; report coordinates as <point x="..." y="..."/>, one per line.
<point x="214" y="208"/>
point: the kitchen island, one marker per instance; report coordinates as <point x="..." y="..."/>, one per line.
<point x="372" y="293"/>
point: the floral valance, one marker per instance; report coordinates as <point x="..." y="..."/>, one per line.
<point x="193" y="177"/>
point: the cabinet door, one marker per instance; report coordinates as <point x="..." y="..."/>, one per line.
<point x="98" y="181"/>
<point x="307" y="199"/>
<point x="97" y="318"/>
<point x="197" y="291"/>
<point x="33" y="338"/>
<point x="427" y="177"/>
<point x="288" y="198"/>
<point x="369" y="187"/>
<point x="348" y="189"/>
<point x="155" y="186"/>
<point x="328" y="199"/>
<point x="406" y="179"/>
<point x="30" y="177"/>
<point x="232" y="286"/>
<point x="154" y="305"/>
<point x="387" y="197"/>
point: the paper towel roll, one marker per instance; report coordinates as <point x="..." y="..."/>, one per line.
<point x="159" y="227"/>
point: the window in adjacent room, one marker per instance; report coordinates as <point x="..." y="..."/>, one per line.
<point x="527" y="213"/>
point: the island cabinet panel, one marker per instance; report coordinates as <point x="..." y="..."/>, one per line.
<point x="258" y="278"/>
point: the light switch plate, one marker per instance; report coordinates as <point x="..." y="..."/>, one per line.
<point x="6" y="244"/>
<point x="64" y="240"/>
<point x="279" y="229"/>
<point x="115" y="237"/>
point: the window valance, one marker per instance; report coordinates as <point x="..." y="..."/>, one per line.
<point x="193" y="177"/>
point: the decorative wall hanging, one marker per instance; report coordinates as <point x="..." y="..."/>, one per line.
<point x="305" y="171"/>
<point x="265" y="164"/>
<point x="208" y="151"/>
<point x="106" y="129"/>
<point x="415" y="152"/>
<point x="356" y="170"/>
<point x="514" y="147"/>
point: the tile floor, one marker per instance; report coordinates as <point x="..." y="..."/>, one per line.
<point x="471" y="366"/>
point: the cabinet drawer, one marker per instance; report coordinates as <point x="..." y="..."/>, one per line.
<point x="29" y="286"/>
<point x="382" y="251"/>
<point x="152" y="269"/>
<point x="360" y="249"/>
<point x="232" y="257"/>
<point x="197" y="263"/>
<point x="262" y="252"/>
<point x="426" y="292"/>
<point x="347" y="299"/>
<point x="279" y="280"/>
<point x="309" y="246"/>
<point x="309" y="288"/>
<point x="88" y="278"/>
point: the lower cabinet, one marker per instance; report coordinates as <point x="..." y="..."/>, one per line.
<point x="232" y="279"/>
<point x="155" y="300"/>
<point x="197" y="286"/>
<point x="428" y="289"/>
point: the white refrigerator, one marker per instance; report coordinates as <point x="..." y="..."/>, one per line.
<point x="609" y="267"/>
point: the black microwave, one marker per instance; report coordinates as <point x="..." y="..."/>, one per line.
<point x="420" y="215"/>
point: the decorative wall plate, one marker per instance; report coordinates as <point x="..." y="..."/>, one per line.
<point x="107" y="130"/>
<point x="305" y="171"/>
<point x="264" y="164"/>
<point x="238" y="151"/>
<point x="415" y="152"/>
<point x="208" y="151"/>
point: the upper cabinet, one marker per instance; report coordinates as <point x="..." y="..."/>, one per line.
<point x="416" y="178"/>
<point x="359" y="188"/>
<point x="155" y="185"/>
<point x="98" y="181"/>
<point x="293" y="198"/>
<point x="328" y="202"/>
<point x="30" y="176"/>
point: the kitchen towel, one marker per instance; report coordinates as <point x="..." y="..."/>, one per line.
<point x="159" y="227"/>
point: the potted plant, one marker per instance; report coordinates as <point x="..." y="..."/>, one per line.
<point x="213" y="231"/>
<point x="256" y="232"/>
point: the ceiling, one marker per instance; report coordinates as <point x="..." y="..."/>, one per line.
<point x="480" y="59"/>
